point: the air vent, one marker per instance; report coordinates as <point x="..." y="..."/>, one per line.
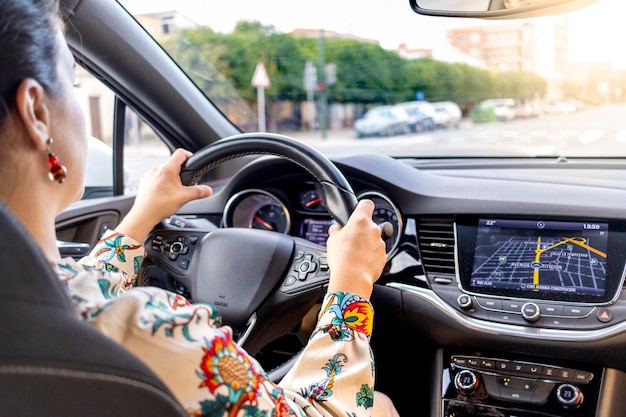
<point x="435" y="238"/>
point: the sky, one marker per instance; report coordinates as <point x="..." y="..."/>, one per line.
<point x="393" y="22"/>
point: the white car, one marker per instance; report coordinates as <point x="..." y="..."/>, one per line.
<point x="449" y="114"/>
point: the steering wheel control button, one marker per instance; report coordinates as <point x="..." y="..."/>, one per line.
<point x="531" y="312"/>
<point x="305" y="267"/>
<point x="183" y="263"/>
<point x="290" y="280"/>
<point x="323" y="264"/>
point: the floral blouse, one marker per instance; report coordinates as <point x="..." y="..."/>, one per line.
<point x="186" y="345"/>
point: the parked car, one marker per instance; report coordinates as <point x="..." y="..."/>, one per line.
<point x="422" y="115"/>
<point x="524" y="110"/>
<point x="559" y="107"/>
<point x="383" y="121"/>
<point x="503" y="294"/>
<point x="450" y="114"/>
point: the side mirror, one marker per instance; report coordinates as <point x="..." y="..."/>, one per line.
<point x="496" y="9"/>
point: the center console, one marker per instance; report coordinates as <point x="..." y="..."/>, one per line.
<point x="547" y="279"/>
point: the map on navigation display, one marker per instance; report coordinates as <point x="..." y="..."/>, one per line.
<point x="541" y="256"/>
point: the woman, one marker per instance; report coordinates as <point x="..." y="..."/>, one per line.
<point x="43" y="147"/>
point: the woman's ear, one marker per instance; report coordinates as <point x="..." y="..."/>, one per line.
<point x="33" y="110"/>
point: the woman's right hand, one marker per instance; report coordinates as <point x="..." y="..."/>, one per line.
<point x="356" y="252"/>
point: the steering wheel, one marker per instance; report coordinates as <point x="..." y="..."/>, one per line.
<point x="262" y="282"/>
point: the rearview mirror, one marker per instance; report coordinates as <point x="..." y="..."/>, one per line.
<point x="496" y="9"/>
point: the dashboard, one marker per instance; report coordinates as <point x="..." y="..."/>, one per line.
<point x="498" y="269"/>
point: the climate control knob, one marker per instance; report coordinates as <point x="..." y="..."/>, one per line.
<point x="466" y="382"/>
<point x="569" y="395"/>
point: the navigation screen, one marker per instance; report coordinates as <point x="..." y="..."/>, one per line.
<point x="550" y="257"/>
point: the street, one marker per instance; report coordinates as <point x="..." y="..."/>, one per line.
<point x="596" y="131"/>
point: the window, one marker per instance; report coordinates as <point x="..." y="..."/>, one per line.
<point x="143" y="149"/>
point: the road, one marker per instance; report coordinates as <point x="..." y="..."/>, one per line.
<point x="598" y="131"/>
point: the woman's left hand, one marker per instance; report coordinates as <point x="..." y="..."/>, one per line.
<point x="160" y="194"/>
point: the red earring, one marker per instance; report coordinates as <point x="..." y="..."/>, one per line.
<point x="57" y="171"/>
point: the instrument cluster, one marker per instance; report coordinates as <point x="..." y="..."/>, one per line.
<point x="303" y="213"/>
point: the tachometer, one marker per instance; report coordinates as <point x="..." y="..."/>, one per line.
<point x="386" y="211"/>
<point x="311" y="200"/>
<point x="270" y="217"/>
<point x="257" y="209"/>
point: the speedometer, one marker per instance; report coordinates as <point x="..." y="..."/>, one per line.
<point x="257" y="209"/>
<point x="386" y="211"/>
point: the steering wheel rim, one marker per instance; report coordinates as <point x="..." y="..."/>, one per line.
<point x="292" y="272"/>
<point x="340" y="198"/>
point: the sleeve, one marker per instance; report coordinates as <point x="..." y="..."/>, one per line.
<point x="336" y="369"/>
<point x="187" y="346"/>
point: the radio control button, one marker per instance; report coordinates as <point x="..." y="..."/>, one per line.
<point x="531" y="312"/>
<point x="490" y="303"/>
<point x="551" y="309"/>
<point x="464" y="301"/>
<point x="505" y="317"/>
<point x="576" y="311"/>
<point x="510" y="305"/>
<point x="559" y="322"/>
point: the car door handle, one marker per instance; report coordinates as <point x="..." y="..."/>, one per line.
<point x="73" y="249"/>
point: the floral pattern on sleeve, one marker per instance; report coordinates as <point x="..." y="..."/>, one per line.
<point x="187" y="346"/>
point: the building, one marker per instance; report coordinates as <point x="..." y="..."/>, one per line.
<point x="163" y="24"/>
<point x="540" y="47"/>
<point x="501" y="48"/>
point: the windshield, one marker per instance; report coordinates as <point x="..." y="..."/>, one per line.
<point x="548" y="86"/>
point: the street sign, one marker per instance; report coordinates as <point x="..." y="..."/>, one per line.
<point x="310" y="76"/>
<point x="260" y="79"/>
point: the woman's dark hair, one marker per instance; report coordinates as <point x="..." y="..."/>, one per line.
<point x="28" y="30"/>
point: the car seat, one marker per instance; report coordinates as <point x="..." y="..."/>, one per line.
<point x="51" y="362"/>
